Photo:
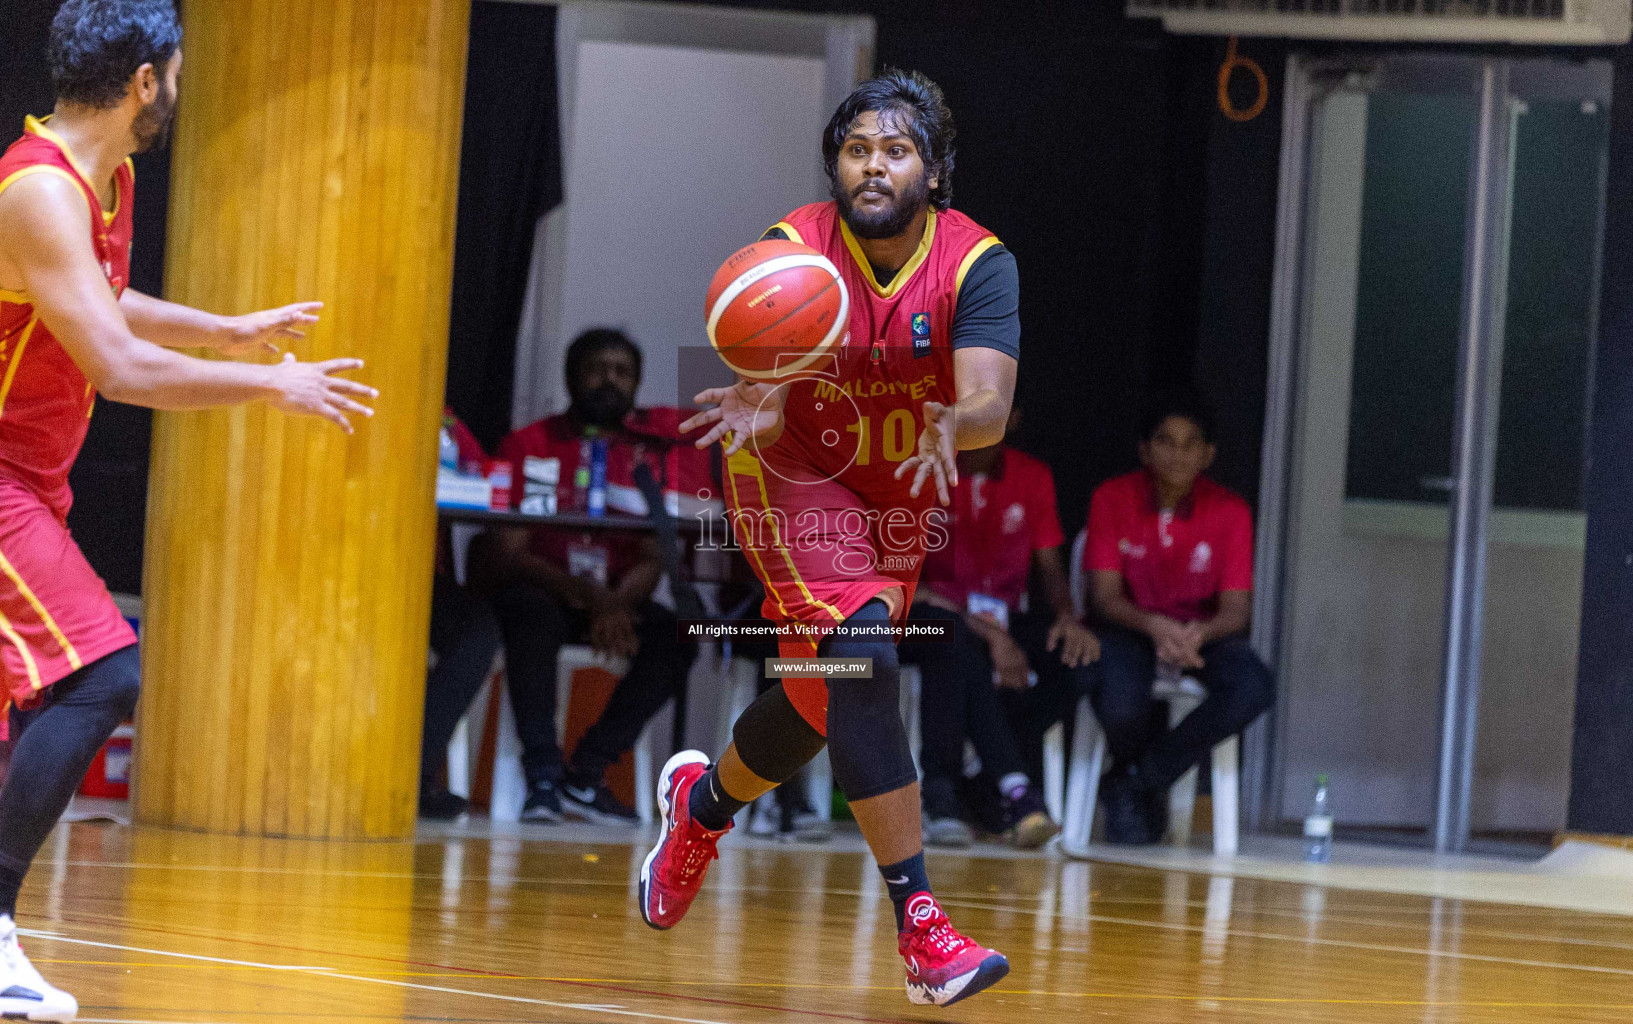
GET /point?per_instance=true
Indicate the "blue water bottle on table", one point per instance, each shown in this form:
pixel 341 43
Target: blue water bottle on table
pixel 598 475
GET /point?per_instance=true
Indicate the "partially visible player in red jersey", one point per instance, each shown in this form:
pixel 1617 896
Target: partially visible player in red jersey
pixel 69 330
pixel 832 481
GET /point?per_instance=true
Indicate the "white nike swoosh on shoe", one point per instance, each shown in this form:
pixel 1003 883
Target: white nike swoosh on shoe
pixel 660 904
pixel 897 881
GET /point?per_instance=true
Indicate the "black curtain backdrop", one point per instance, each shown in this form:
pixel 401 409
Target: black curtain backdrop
pixel 110 479
pixel 509 176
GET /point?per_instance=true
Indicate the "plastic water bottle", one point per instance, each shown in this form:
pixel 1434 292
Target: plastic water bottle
pixel 1318 825
pixel 598 476
pixel 581 472
pixel 447 451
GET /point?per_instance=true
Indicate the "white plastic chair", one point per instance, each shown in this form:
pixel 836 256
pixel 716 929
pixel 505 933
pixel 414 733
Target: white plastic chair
pixel 1089 754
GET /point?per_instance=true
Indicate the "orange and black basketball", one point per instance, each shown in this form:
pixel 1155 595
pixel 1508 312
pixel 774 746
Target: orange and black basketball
pixel 776 308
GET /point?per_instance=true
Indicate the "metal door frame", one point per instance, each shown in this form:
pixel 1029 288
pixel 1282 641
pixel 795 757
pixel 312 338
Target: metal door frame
pixel 1498 83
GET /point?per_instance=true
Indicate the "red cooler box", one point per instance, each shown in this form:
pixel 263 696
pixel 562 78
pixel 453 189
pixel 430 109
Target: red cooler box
pixel 109 775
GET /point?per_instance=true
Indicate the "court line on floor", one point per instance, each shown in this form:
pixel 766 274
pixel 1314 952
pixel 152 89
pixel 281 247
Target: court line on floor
pixel 328 972
pixel 34 933
pixel 1056 915
pixel 616 985
pixel 1372 947
pixel 1484 908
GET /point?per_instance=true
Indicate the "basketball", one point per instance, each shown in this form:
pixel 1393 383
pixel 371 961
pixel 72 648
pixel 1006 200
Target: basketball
pixel 775 308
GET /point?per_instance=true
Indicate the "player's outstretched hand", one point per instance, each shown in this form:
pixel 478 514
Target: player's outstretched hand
pixel 312 389
pixel 267 331
pixel 748 411
pixel 937 455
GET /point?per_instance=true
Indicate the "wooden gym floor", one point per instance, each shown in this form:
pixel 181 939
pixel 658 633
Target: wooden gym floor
pixel 149 926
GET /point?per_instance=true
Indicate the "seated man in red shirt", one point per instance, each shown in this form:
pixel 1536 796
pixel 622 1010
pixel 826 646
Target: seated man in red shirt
pixel 1170 564
pixel 1002 526
pixel 552 586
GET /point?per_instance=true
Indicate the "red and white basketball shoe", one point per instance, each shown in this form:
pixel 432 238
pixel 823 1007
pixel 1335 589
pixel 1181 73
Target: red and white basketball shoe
pixel 942 965
pixel 673 872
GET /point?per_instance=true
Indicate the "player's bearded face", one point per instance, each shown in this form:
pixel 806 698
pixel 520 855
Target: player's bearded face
pixel 152 124
pixel 882 183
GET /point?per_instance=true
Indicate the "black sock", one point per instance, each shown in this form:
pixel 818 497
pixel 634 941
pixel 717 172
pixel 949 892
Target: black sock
pixel 11 882
pixel 710 804
pixel 903 881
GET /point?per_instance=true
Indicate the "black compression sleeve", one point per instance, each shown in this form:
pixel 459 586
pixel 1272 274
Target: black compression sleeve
pixel 989 304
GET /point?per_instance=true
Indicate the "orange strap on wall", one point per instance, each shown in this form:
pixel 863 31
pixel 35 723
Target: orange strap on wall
pixel 1232 62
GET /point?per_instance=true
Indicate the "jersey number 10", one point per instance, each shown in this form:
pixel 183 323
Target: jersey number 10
pixel 898 437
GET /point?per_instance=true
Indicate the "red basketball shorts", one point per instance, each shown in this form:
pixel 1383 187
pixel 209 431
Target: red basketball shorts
pixel 823 550
pixel 56 614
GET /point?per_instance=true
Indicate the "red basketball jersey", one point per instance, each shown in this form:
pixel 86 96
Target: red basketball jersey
pixel 860 418
pixel 45 401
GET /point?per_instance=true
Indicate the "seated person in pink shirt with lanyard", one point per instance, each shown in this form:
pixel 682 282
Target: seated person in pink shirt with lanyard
pixel 1002 526
pixel 1170 564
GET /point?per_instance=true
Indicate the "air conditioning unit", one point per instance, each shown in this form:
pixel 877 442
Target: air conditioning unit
pixel 1534 22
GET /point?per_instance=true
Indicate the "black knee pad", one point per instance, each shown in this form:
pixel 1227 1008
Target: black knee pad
pixel 773 738
pixel 867 740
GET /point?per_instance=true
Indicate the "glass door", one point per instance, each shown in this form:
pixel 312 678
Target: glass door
pixel 1421 503
pixel 1559 117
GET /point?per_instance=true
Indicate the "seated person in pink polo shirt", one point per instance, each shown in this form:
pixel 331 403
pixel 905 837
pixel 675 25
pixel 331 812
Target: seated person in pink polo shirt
pixel 1009 671
pixel 1170 564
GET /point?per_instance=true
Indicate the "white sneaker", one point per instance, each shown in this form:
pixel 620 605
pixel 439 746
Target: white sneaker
pixel 24 995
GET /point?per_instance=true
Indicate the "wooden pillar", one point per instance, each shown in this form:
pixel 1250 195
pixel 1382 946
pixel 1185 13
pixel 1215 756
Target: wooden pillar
pixel 288 567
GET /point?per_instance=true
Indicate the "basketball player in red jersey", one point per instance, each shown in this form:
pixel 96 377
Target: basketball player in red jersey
pixel 70 329
pixel 832 481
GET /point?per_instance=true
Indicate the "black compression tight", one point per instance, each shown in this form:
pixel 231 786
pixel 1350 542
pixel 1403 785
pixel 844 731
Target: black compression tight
pixel 50 758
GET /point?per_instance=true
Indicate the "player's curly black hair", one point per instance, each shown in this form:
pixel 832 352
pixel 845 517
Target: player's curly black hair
pixel 96 45
pixel 913 104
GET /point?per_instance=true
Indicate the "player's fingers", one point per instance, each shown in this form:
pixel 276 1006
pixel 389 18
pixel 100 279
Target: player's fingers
pixel 942 491
pixel 350 406
pixel 906 464
pixel 710 396
pixel 329 366
pixel 919 477
pixel 720 430
pixel 335 416
pixel 343 386
pixel 702 419
pixel 290 332
pixel 1053 638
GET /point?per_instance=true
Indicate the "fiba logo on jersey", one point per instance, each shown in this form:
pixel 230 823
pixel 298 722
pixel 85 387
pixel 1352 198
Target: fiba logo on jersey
pixel 921 335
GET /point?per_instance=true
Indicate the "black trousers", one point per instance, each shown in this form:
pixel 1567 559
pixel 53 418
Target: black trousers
pixel 1240 688
pixel 535 626
pixel 958 702
pixel 464 638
